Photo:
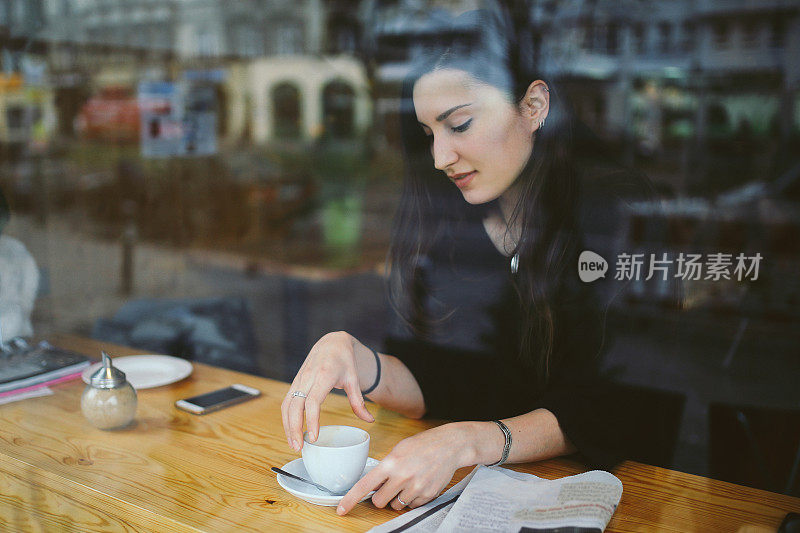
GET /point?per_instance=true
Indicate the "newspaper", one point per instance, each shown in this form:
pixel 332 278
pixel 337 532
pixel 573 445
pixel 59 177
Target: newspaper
pixel 498 499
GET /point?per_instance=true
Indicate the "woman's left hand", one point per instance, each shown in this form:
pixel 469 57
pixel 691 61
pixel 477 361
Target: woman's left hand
pixel 416 470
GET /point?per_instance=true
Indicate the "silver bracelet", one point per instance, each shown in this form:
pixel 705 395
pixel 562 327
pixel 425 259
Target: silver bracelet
pixel 507 447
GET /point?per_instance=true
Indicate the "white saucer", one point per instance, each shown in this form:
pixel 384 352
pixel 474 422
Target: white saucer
pixel 147 371
pixel 310 493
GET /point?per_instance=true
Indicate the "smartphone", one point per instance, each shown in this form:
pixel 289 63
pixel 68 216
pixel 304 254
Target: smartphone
pixel 216 400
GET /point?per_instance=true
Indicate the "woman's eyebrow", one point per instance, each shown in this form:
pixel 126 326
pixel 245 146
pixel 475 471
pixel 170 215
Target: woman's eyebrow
pixel 446 113
pixel 450 111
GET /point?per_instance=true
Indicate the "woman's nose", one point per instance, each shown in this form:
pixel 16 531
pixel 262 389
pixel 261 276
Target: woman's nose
pixel 443 153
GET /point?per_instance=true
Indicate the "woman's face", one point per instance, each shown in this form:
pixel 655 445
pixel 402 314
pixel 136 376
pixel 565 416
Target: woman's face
pixel 479 139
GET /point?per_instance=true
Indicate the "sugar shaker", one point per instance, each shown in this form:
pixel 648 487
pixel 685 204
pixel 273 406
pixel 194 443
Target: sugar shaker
pixel 109 400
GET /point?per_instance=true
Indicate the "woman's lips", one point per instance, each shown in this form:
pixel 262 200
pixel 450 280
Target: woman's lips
pixel 462 180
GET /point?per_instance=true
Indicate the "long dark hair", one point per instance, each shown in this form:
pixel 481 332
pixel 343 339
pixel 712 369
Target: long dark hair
pixel 493 48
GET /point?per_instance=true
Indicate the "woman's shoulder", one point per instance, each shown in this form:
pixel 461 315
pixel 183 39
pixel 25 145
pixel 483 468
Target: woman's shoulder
pixel 605 181
pixel 606 192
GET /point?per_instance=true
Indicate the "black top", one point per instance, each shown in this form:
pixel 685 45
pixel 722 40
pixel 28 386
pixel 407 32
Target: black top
pixel 469 368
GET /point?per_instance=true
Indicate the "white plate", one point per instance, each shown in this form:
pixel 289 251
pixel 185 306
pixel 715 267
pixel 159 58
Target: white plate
pixel 310 493
pixel 147 371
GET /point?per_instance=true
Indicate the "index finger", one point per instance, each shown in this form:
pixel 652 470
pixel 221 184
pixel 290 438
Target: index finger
pixel 364 486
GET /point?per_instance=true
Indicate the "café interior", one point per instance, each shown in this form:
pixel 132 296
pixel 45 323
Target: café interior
pixel 217 181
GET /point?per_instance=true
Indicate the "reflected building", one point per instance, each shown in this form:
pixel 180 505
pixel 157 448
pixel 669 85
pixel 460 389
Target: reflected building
pixel 651 76
pixel 707 90
pixel 397 33
pixel 739 56
pixel 282 70
pixel 27 106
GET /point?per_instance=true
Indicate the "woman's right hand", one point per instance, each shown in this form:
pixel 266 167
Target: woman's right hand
pixel 330 364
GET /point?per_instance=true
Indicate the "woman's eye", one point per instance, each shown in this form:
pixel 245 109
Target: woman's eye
pixel 462 127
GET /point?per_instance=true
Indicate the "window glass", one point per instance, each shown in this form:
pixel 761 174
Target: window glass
pixel 218 180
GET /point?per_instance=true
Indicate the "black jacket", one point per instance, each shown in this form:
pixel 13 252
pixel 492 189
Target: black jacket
pixel 470 368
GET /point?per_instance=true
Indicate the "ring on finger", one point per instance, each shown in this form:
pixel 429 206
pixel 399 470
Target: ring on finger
pixel 404 504
pixel 299 394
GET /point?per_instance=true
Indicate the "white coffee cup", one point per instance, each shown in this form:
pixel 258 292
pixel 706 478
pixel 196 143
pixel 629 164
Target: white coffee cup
pixel 337 458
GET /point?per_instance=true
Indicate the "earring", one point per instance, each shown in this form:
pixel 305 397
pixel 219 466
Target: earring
pixel 541 125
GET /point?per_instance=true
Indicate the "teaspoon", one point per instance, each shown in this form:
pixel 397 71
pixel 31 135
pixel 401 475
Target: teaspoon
pixel 293 476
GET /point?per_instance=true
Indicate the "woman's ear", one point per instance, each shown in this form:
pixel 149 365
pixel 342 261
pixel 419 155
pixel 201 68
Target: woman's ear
pixel 536 105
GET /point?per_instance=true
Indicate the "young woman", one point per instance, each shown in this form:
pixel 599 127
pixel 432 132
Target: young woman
pixel 496 331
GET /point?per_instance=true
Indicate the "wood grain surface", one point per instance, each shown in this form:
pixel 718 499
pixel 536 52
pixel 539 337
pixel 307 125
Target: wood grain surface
pixel 173 471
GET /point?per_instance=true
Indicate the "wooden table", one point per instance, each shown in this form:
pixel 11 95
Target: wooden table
pixel 172 471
